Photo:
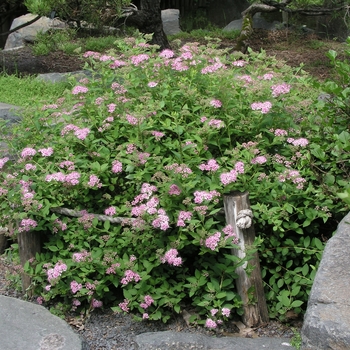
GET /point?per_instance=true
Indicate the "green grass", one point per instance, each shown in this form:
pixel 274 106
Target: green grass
pixel 27 91
pixel 198 34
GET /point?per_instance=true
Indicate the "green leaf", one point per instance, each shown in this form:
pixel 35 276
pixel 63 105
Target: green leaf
pixel 107 225
pixel 297 303
pixel 53 248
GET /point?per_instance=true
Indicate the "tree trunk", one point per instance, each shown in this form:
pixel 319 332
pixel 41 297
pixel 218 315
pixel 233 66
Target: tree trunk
pixel 29 243
pixel 149 21
pixel 249 287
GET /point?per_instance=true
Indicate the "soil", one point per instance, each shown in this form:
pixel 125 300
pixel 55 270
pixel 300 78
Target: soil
pixel 292 48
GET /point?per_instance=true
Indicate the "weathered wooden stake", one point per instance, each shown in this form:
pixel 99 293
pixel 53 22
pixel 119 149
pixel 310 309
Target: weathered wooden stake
pixel 255 312
pixel 29 244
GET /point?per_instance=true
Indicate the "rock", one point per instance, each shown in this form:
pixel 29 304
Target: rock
pixel 28 34
pixel 25 325
pixel 170 340
pixel 327 319
pixel 170 19
pixel 63 77
pixel 258 22
pixel 10 113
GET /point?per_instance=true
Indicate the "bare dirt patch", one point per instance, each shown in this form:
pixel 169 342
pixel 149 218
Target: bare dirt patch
pixel 292 48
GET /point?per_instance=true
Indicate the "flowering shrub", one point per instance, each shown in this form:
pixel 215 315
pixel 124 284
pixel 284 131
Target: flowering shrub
pixel 158 139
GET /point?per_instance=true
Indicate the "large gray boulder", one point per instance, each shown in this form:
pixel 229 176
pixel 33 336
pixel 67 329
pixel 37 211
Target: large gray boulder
pixel 28 34
pixel 327 319
pixel 171 23
pixel 170 340
pixel 259 22
pixel 28 326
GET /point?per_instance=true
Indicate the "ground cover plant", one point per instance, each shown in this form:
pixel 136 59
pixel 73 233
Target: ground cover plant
pixel 159 138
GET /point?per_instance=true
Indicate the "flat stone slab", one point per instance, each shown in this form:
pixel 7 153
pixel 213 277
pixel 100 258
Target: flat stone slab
pixel 9 112
pixel 27 326
pixel 169 340
pixel 327 319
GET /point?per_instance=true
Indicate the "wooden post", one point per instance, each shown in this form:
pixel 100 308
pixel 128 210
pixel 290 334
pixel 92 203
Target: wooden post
pixel 29 244
pixel 254 311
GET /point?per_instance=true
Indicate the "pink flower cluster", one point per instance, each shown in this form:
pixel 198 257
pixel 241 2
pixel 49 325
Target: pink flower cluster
pixel 56 271
pixel 302 142
pixel 259 160
pixel 229 232
pixel 70 179
pixel 75 286
pixel 96 303
pixel 82 256
pixel 213 67
pixel 124 305
pixel 148 301
pixel 161 221
pixel 3 161
pixel 174 190
pixel 216 123
pixel 216 103
pixel 28 152
pixel 227 178
pixel 212 241
pixel 201 196
pixel 264 107
pixel 183 216
pixel 79 90
pixel 167 53
pixel 157 135
pixel 46 152
pixel 294 176
pixel 29 167
pixel 117 167
pixel 172 258
pixel 239 63
pixel 94 181
pixel 281 89
pixel 130 276
pixel 280 132
pixel 136 60
pixel 27 225
pixel 209 323
pixel 81 134
pixel 111 269
pixel 211 165
pixel 67 164
pixel 110 211
pixel 181 169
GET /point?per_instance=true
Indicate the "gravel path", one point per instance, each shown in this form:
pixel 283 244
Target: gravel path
pixel 105 330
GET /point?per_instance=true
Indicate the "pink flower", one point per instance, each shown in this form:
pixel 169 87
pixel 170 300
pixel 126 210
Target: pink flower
pixel 212 241
pixel 46 152
pixel 200 196
pixel 29 167
pixel 75 286
pixel 280 132
pixel 40 300
pixel 171 257
pixel 216 103
pixel 263 106
pixel 3 161
pixel 211 165
pixel 214 312
pixel 136 60
pixel 216 123
pixel 152 84
pixel 117 167
pixel 81 257
pixel 79 90
pixel 281 89
pixel 183 216
pixel 27 225
pixel 28 152
pixel 162 221
pixel 240 63
pixel 268 76
pixel 82 133
pixel 111 107
pixel 226 312
pixel 174 190
pixel 145 316
pixel 167 53
pixel 298 142
pixel 130 276
pixel 96 303
pixel 209 323
pixel 157 135
pixel 259 160
pixel 94 181
pixel 110 211
pixel 124 305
